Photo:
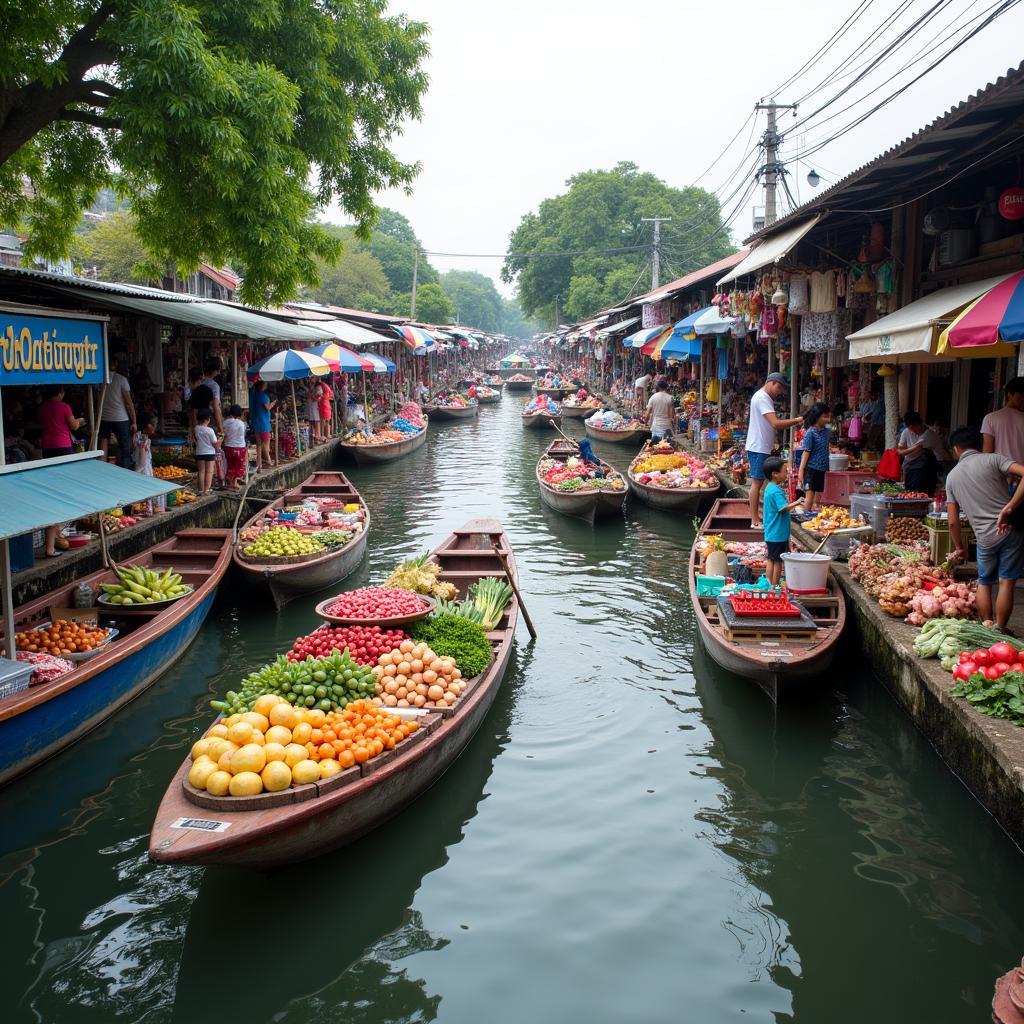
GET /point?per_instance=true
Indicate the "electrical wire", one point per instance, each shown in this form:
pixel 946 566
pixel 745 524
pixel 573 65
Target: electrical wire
pixel 752 115
pixel 533 255
pixel 1003 8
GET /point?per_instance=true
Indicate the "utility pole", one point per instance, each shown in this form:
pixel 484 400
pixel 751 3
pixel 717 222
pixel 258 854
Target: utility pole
pixel 556 312
pixel 415 272
pixel 656 248
pixel 772 168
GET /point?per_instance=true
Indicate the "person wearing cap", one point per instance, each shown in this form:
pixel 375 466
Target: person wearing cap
pixel 761 436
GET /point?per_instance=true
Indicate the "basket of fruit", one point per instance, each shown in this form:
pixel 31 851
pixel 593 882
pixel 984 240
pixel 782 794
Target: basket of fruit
pixel 379 606
pixel 75 641
pixel 146 587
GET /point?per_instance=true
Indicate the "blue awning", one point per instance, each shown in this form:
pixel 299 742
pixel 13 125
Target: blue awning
pixel 684 329
pixel 38 494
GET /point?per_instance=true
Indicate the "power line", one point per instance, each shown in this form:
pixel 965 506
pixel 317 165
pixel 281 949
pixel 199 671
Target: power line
pixel 728 146
pixel 534 255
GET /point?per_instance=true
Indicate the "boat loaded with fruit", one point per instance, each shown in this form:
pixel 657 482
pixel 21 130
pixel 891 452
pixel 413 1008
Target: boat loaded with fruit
pixel 574 486
pixel 361 716
pixel 310 537
pixel 401 436
pixel 87 662
pixel 664 477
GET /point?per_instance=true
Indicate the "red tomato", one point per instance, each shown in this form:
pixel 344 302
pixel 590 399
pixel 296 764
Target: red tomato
pixel 965 656
pixel 1017 667
pixel 991 672
pixel 983 657
pixel 1001 666
pixel 1003 651
pixel 968 668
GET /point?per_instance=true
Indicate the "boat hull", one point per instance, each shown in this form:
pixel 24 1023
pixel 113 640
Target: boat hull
pixel 366 455
pixel 589 507
pixel 556 393
pixel 673 499
pixel 541 421
pixel 614 436
pixel 437 412
pixel 518 385
pixel 42 721
pixel 577 413
pixel 489 399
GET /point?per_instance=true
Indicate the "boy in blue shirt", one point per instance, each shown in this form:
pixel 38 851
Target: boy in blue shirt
pixel 776 517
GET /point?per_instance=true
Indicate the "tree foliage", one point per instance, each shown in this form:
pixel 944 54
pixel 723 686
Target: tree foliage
pixel 433 306
pixel 226 123
pixel 602 211
pixel 477 302
pixel 356 280
pixel 112 245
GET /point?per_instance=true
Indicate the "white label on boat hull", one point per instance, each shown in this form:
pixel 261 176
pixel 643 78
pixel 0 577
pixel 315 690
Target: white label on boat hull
pixel 202 824
pixel 776 654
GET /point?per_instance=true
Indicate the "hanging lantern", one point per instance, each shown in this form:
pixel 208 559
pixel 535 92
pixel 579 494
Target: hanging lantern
pixel 886 371
pixel 779 297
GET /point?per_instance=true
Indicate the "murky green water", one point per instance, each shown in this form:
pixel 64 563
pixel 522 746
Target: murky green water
pixel 631 836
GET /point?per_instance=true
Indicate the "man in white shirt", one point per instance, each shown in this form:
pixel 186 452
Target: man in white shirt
pixel 640 391
pixel 662 412
pixel 761 436
pixel 1003 431
pixel 211 368
pixel 117 416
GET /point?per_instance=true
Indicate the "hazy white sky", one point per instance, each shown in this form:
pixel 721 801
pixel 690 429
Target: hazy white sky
pixel 523 95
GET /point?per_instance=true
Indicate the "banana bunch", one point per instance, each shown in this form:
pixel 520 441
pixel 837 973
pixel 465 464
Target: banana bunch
pixel 144 586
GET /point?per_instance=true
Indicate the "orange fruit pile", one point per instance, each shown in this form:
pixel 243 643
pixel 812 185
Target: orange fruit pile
pixel 357 733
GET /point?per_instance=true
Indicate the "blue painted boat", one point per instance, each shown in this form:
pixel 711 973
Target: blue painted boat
pixel 39 722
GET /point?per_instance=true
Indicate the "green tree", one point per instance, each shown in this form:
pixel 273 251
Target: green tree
pixel 477 302
pixel 513 323
pixel 112 245
pixel 599 218
pixel 226 123
pixel 356 280
pixel 433 306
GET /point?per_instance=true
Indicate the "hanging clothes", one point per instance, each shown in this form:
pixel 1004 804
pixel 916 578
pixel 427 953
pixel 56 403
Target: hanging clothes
pixel 823 291
pixel 799 301
pixel 821 332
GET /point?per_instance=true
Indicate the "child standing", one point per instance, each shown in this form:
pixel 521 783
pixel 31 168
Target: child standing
pixel 814 454
pixel 776 516
pixel 142 452
pixel 207 446
pixel 235 449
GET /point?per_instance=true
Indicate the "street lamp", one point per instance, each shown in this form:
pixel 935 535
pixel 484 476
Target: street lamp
pixel 813 178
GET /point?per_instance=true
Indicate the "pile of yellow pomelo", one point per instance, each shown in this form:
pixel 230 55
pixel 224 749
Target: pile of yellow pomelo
pixel 263 750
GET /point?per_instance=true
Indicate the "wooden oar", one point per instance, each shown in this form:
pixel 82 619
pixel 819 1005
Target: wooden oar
pixel 503 558
pixel 571 440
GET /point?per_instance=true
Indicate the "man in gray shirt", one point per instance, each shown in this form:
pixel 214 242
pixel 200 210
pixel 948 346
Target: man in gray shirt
pixel 977 487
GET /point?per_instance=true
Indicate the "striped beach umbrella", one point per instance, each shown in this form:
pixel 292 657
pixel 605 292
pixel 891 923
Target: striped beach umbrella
pixel 380 363
pixel 341 359
pixel 996 316
pixel 289 364
pixel 419 340
pixel 641 338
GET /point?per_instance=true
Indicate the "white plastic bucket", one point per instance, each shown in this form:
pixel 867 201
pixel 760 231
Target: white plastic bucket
pixel 806 573
pixel 838 463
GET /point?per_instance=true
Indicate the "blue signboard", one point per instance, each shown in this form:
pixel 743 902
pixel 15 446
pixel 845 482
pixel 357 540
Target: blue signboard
pixel 51 350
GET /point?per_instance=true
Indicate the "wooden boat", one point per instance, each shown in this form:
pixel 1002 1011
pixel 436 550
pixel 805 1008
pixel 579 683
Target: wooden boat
pixel 776 657
pixel 518 385
pixel 588 505
pixel 366 454
pixel 442 412
pixel 615 436
pixel 360 798
pixel 579 412
pixel 39 722
pixel 541 420
pixel 288 580
pixel 510 371
pixel 556 393
pixel 676 499
pixel 494 382
pixel 489 399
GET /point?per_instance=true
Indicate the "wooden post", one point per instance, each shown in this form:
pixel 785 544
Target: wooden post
pixel 794 377
pixel 295 411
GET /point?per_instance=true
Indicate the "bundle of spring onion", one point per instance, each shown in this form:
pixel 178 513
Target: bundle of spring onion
pixel 946 638
pixel 485 603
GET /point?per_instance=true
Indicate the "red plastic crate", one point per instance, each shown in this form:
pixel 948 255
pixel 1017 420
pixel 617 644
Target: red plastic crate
pixel 763 607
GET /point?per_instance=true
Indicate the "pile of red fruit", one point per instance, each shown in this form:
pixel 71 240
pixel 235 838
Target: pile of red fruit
pixel 999 658
pixel 372 603
pixel 365 643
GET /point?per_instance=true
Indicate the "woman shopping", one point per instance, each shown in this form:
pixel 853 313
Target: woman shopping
pixel 920 448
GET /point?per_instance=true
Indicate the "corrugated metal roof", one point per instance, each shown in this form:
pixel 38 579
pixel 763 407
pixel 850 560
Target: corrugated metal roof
pixel 1006 91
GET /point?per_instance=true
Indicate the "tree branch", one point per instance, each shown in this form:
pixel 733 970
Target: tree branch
pixel 87 117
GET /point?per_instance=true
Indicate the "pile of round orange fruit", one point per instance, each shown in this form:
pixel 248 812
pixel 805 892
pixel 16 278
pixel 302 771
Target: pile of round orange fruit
pixel 277 745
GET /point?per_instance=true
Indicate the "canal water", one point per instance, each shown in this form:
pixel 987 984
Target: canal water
pixel 631 836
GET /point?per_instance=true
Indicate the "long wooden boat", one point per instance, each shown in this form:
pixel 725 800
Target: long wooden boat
pixel 39 722
pixel 587 505
pixel 579 412
pixel 366 454
pixel 677 499
pixel 615 436
pixel 518 385
pixel 443 412
pixel 541 420
pixel 495 382
pixel 362 797
pixel 489 399
pixel 781 662
pixel 286 581
pixel 556 393
pixel 510 371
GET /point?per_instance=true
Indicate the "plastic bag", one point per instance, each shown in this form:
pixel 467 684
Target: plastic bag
pixel 889 465
pixel 856 430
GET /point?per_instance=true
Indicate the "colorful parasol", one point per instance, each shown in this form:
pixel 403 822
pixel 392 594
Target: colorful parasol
pixel 341 359
pixel 997 316
pixel 641 338
pixel 419 340
pixel 289 364
pixel 515 360
pixel 380 363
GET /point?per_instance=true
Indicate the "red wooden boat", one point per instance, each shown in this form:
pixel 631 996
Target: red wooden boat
pixel 360 798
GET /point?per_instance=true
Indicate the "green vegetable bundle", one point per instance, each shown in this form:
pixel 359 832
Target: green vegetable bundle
pixel 326 683
pixel 454 636
pixel 946 638
pixel 1000 698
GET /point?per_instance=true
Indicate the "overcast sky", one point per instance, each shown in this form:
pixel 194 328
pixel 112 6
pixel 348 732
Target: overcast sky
pixel 524 95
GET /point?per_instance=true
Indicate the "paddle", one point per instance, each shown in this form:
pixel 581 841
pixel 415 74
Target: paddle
pixel 503 558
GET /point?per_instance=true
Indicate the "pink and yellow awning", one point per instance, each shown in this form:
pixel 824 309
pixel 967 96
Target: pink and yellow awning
pixel 997 316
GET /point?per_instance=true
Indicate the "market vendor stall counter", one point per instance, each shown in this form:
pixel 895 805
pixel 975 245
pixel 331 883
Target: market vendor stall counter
pixel 840 486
